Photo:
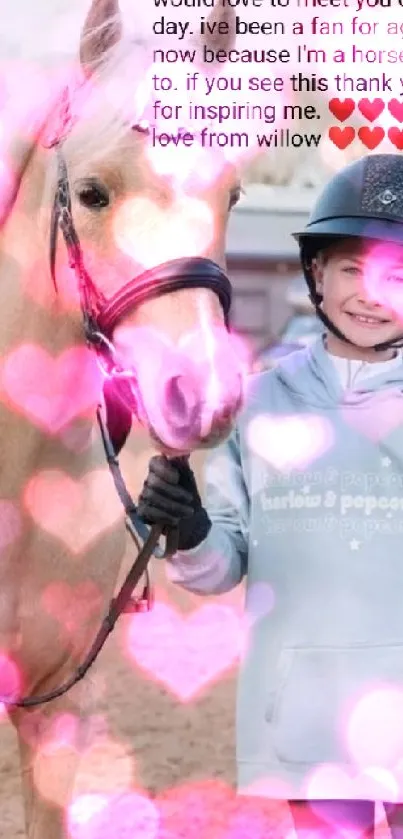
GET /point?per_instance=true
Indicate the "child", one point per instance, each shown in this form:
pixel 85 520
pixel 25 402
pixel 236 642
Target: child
pixel 305 500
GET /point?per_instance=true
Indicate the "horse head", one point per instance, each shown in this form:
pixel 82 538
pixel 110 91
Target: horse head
pixel 146 246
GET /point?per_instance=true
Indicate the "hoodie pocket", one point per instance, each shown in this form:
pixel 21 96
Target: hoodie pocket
pixel 316 690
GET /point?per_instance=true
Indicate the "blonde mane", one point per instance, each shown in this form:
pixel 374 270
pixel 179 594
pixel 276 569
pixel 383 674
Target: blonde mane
pixel 105 104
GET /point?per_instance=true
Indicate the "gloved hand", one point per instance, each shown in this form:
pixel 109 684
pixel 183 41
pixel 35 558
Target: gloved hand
pixel 170 498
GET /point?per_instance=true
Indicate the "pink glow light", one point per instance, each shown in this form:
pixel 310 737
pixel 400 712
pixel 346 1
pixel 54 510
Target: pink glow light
pixel 383 277
pixel 10 679
pixel 331 781
pixel 51 391
pixel 10 523
pixel 289 442
pixel 56 502
pixel 209 362
pixel 101 817
pixel 72 606
pixel 375 728
pixel 150 234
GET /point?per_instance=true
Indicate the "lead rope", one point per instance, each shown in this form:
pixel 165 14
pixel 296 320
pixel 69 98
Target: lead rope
pixel 134 523
pixel 123 602
pixel 116 608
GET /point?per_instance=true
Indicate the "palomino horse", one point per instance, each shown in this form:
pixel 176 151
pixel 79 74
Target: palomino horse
pixel 51 383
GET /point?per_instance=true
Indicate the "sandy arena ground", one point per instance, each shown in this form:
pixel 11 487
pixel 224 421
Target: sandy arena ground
pixel 154 740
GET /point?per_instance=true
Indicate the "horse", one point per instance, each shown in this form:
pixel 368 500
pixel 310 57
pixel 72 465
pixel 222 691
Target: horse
pixel 92 291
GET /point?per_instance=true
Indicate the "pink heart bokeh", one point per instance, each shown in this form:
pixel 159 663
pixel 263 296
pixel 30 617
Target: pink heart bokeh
pixel 97 816
pixel 143 228
pixel 377 416
pixel 208 809
pixel 185 653
pixel 36 286
pixel 10 679
pixel 51 392
pixel 72 606
pixel 332 781
pixel 211 809
pixel 103 765
pixel 77 512
pixel 201 810
pixel 10 524
pixel 289 442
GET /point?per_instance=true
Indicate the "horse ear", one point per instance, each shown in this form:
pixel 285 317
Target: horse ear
pixel 220 37
pixel 102 29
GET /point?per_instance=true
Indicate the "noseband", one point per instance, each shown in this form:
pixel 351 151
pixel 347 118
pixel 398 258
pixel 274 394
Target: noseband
pixel 101 316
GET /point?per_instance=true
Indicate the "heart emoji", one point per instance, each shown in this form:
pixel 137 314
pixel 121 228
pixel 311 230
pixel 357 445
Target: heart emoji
pixel 341 108
pixel 371 137
pixel 77 512
pixel 396 109
pixel 341 137
pixel 396 137
pixel 371 110
pixel 185 653
pixel 51 392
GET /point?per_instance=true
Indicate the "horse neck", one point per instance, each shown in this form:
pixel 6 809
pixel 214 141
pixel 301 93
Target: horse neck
pixel 46 327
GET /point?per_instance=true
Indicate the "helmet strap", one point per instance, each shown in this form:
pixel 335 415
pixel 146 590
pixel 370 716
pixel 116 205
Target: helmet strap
pixel 316 300
pixel 396 343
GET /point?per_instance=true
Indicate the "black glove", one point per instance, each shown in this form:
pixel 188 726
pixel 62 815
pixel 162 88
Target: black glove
pixel 170 498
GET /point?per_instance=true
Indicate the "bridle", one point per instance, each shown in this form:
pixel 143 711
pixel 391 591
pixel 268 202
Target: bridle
pixel 100 317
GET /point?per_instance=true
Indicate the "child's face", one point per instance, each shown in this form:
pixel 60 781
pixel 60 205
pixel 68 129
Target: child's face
pixel 361 282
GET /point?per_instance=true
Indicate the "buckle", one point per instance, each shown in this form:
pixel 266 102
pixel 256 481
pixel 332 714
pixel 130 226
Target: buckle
pixel 114 370
pixel 143 602
pixel 136 605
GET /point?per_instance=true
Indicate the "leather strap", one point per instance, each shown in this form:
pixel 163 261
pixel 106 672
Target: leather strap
pixel 164 279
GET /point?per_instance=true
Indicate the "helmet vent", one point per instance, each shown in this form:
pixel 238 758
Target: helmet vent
pixel 382 192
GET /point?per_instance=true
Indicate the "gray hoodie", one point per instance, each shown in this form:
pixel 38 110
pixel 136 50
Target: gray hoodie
pixel 306 501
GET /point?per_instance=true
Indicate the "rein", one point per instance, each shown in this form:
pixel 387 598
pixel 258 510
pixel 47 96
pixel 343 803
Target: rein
pixel 100 318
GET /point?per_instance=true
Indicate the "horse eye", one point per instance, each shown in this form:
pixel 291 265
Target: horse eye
pixel 93 196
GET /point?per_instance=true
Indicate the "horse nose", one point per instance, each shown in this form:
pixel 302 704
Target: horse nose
pixel 181 402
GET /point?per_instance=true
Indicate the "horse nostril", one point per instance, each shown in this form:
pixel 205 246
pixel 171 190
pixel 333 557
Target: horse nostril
pixel 180 401
pixel 222 418
pixel 175 399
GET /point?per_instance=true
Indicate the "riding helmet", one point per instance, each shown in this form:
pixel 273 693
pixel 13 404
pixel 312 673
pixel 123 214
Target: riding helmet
pixel 364 199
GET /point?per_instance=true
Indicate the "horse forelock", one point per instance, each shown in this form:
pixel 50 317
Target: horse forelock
pixel 105 105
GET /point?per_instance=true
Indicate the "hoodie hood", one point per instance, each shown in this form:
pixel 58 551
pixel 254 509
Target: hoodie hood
pixel 318 379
